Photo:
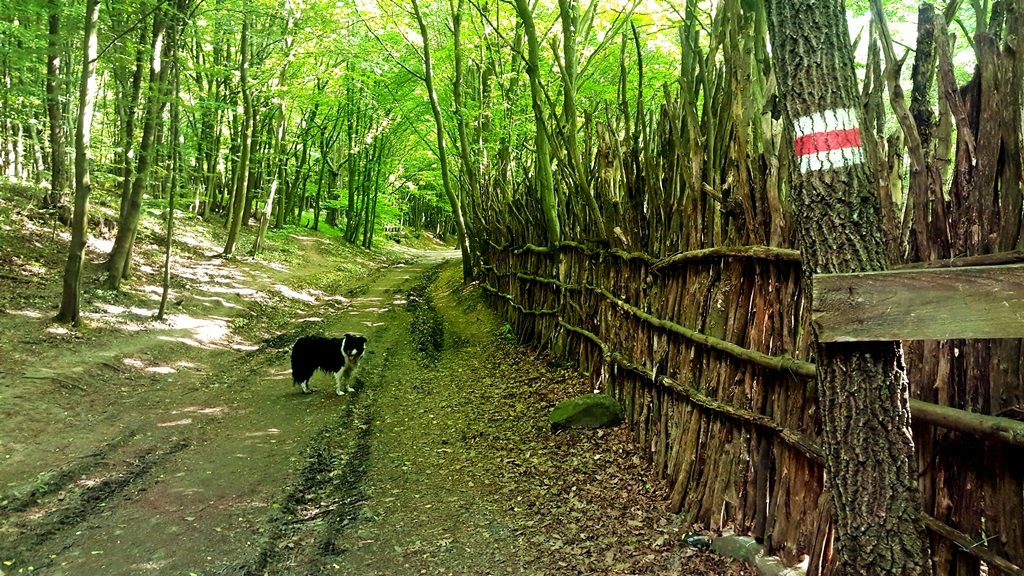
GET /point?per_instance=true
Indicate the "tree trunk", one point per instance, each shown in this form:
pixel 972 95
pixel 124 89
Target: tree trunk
pixel 242 171
pixel 435 107
pixel 70 304
pixel 570 23
pixel 470 167
pixel 175 151
pixel 542 169
pixel 54 89
pixel 120 254
pixel 862 387
pixel 277 163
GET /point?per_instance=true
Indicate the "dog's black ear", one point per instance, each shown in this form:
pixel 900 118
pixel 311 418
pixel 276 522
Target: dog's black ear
pixel 347 336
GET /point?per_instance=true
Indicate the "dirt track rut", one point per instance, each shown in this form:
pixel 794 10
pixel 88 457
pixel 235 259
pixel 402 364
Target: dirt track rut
pixel 240 474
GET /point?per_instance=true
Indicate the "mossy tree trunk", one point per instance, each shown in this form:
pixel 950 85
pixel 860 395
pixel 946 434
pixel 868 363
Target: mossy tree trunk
pixel 543 177
pixel 54 89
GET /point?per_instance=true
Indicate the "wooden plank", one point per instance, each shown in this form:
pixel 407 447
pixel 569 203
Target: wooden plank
pixel 929 304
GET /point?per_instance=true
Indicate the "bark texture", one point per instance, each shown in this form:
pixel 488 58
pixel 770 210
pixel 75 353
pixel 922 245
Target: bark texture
pixel 862 388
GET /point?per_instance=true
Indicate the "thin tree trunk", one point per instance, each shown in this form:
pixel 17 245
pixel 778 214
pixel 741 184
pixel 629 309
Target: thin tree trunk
pixel 570 23
pixel 70 305
pixel 131 109
pixel 470 168
pixel 442 155
pixel 120 254
pixel 54 89
pixel 242 170
pixel 278 158
pixel 175 151
pixel 862 387
pixel 542 168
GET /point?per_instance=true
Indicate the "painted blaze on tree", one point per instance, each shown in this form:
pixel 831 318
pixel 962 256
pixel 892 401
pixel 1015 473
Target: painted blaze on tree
pixel 862 387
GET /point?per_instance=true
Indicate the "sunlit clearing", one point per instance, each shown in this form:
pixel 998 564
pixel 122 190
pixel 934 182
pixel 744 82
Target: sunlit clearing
pixel 161 369
pixel 201 410
pixel 372 324
pixel 111 308
pixel 244 347
pixel 266 432
pixel 57 329
pixel 26 313
pixel 202 330
pixel 181 422
pixel 310 319
pixel 26 268
pixel 216 300
pixel 103 245
pixel 134 363
pixel 236 289
pixel 289 293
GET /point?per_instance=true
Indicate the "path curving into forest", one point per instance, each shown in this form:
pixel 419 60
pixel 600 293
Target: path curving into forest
pixel 181 456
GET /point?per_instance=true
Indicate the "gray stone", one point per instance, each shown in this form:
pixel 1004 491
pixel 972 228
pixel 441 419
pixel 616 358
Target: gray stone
pixel 589 411
pixel 739 547
pixel 748 550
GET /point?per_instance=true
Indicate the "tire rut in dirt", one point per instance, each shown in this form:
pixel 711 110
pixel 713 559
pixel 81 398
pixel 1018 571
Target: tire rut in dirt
pixel 55 481
pixel 33 534
pixel 323 503
pixel 427 325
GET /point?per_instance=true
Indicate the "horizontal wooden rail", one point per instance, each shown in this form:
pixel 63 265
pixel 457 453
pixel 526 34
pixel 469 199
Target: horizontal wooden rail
pixel 996 427
pixel 760 252
pixel 1010 257
pixel 802 442
pixel 972 546
pixel 781 363
pixel 920 304
pixel 517 306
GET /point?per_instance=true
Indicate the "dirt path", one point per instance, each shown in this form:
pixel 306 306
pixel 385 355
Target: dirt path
pixel 186 450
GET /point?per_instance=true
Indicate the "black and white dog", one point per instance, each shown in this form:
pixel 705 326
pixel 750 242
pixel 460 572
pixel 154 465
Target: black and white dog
pixel 338 356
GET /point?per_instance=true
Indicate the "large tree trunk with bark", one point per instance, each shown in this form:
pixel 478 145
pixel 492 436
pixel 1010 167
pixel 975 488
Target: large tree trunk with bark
pixel 862 387
pixel 70 305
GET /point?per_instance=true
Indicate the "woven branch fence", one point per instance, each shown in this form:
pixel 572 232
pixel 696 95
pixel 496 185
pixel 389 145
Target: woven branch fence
pixel 692 311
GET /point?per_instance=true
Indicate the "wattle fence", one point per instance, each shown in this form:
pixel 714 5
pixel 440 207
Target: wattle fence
pixel 691 311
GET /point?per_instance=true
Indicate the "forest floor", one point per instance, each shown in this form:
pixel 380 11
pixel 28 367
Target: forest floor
pixel 136 446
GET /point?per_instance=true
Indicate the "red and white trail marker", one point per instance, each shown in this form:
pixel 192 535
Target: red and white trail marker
pixel 828 140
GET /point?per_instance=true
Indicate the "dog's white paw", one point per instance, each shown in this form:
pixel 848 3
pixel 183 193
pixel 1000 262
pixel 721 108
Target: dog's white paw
pixel 351 389
pixel 340 393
